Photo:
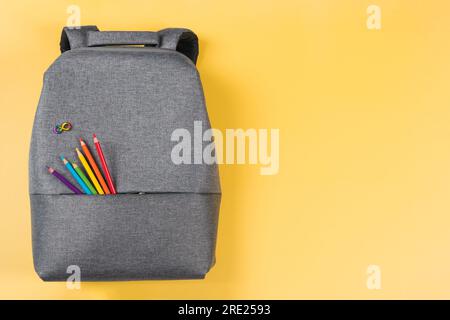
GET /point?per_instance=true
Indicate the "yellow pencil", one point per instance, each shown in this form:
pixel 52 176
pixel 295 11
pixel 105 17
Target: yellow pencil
pixel 89 172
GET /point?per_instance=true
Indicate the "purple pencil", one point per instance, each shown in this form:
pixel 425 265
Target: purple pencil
pixel 64 180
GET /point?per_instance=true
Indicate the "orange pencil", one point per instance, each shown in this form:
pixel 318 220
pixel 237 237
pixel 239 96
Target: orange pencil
pixel 94 166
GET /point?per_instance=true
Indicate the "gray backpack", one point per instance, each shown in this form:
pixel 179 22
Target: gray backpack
pixel 162 223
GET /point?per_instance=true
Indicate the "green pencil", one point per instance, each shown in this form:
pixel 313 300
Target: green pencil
pixel 84 178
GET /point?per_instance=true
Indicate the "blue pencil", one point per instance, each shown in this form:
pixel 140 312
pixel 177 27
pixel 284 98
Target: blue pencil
pixel 76 176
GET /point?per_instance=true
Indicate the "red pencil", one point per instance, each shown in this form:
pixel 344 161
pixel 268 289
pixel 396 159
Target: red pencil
pixel 104 165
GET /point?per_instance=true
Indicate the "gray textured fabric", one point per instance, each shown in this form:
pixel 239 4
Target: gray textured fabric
pixel 133 99
pixel 124 237
pixel 75 37
pixel 177 39
pixel 104 38
pixel 181 40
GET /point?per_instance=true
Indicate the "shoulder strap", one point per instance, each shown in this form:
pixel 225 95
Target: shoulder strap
pixel 182 40
pixel 74 37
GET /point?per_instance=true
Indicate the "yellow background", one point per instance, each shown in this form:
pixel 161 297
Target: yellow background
pixel 364 121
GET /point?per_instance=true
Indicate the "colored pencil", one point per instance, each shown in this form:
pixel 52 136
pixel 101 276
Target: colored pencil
pixel 75 175
pixel 84 178
pixel 104 165
pixel 89 172
pixel 66 182
pixel 94 166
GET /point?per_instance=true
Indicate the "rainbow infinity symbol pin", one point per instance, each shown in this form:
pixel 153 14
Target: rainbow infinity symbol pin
pixel 65 126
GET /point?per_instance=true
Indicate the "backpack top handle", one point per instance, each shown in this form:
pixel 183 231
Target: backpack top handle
pixel 179 39
pixel 109 38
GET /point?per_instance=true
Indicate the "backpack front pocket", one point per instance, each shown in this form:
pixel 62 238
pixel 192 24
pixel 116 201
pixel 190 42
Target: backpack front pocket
pixel 125 236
